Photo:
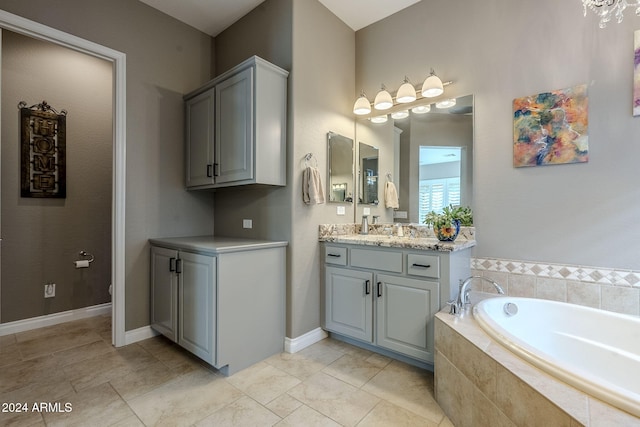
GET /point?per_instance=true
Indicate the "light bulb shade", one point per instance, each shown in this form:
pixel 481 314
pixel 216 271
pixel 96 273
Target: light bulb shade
pixel 446 103
pixel 383 100
pixel 421 109
pixel 379 119
pixel 398 115
pixel 362 106
pixel 406 93
pixel 432 86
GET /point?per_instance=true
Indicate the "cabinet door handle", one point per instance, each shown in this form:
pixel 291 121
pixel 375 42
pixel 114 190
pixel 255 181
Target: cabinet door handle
pixel 379 289
pixel 367 287
pixel 209 171
pixel 215 169
pixel 334 255
pixel 422 265
pixel 172 264
pixel 178 266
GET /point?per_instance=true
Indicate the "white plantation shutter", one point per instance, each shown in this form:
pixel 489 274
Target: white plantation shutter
pixel 435 194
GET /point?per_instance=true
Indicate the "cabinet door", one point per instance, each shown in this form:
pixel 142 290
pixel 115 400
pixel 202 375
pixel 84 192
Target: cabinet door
pixel 405 310
pixel 348 303
pixel 199 139
pixel 164 291
pixel 234 128
pixel 197 305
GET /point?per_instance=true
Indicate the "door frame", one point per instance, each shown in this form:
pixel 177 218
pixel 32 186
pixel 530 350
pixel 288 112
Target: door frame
pixel 38 31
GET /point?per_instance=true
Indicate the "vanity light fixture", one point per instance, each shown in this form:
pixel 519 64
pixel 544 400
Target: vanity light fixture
pixel 399 115
pixel 379 119
pixel 406 92
pixel 362 105
pixel 605 9
pixel 432 86
pixel 383 100
pixel 446 103
pixel 421 109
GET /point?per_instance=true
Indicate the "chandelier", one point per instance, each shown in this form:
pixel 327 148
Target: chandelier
pixel 605 9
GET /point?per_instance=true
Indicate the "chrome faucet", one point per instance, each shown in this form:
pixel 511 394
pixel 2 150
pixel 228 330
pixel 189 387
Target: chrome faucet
pixel 462 300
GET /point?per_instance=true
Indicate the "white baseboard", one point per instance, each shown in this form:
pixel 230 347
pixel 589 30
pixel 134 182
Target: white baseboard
pixel 294 345
pixel 53 319
pixel 139 334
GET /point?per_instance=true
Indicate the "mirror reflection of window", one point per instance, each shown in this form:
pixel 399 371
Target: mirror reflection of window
pixel 439 179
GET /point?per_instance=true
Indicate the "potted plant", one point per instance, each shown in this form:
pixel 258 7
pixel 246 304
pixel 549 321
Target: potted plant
pixel 446 225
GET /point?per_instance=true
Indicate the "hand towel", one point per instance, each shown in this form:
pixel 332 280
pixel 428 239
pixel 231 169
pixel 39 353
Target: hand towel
pixel 390 196
pixel 312 190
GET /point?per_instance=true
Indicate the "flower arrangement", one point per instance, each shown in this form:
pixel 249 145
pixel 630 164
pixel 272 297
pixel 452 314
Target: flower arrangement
pixel 446 225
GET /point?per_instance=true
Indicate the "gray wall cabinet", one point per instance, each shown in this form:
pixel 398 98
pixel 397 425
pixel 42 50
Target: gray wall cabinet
pixel 236 128
pixel 222 299
pixel 386 297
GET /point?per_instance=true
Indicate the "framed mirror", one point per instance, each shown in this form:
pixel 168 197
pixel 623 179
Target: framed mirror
pixel 340 168
pixel 368 174
pixel 428 157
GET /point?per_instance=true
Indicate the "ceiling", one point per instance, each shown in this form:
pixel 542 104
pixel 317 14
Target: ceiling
pixel 213 16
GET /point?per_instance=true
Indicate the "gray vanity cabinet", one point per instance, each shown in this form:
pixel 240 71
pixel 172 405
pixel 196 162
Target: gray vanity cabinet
pixel 236 128
pixel 349 306
pixel 386 297
pixel 404 315
pixel 223 299
pixel 164 292
pixel 183 296
pixel 197 305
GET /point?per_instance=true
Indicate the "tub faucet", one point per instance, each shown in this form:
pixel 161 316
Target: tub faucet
pixel 462 300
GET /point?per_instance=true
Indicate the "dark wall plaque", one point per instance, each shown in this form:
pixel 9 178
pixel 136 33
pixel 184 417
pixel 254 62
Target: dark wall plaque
pixel 43 151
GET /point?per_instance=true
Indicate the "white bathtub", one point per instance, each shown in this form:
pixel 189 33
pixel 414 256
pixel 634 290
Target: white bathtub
pixel 593 350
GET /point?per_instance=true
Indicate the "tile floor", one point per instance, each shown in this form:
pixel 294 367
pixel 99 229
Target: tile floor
pixel 73 367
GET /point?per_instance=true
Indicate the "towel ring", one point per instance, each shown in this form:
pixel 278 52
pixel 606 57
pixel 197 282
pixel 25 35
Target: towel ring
pixel 308 157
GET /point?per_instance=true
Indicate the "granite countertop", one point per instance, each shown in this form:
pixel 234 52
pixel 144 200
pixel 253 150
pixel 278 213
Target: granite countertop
pixel 415 237
pixel 214 244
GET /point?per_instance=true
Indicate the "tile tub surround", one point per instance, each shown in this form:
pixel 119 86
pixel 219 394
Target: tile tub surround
pixel 597 287
pixel 416 236
pixel 480 382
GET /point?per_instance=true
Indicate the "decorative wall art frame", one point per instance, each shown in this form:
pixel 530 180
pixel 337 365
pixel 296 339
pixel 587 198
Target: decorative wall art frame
pixel 551 128
pixel 42 151
pixel 636 73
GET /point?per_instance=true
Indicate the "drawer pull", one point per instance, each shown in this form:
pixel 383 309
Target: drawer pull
pixel 334 255
pixel 172 264
pixel 421 265
pixel 379 289
pixel 367 287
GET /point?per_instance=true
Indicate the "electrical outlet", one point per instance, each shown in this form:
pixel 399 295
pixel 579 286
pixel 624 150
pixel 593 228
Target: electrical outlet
pixel 340 210
pixel 366 211
pixel 247 223
pixel 50 290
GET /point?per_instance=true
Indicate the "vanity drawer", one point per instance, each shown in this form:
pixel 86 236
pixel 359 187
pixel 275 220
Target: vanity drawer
pixel 335 255
pixel 377 260
pixel 423 265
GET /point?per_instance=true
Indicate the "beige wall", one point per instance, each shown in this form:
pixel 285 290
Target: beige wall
pixel 165 59
pixel 580 214
pixel 318 50
pixel 41 238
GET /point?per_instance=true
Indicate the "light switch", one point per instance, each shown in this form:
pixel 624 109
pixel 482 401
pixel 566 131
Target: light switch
pixel 340 210
pixel 247 223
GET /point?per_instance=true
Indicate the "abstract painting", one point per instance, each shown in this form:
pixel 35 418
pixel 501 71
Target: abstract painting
pixel 551 128
pixel 636 73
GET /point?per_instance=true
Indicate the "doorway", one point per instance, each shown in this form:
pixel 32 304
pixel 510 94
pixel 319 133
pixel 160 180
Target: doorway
pixel 37 31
